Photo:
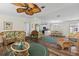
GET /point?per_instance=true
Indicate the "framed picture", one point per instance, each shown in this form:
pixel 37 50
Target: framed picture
pixel 8 25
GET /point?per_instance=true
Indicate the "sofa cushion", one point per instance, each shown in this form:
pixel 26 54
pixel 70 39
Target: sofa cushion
pixel 9 35
pixel 13 36
pixel 20 35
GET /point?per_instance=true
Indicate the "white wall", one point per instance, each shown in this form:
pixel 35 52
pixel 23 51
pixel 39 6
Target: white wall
pixel 55 27
pixel 18 23
pixel 65 26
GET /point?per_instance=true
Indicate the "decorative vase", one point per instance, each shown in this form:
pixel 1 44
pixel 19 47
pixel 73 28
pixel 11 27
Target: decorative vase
pixel 20 45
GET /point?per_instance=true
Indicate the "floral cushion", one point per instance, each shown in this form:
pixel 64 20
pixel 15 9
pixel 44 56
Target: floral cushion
pixel 12 36
pixel 20 35
pixel 9 34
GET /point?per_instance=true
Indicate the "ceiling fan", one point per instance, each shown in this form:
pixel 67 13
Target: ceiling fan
pixel 28 8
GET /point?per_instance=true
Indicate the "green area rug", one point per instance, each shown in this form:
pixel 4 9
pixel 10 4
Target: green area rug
pixel 49 39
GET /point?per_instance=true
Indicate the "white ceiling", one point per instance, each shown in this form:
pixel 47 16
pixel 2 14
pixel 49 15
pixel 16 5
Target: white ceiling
pixel 64 11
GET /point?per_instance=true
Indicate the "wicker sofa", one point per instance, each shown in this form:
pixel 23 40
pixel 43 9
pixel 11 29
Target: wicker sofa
pixel 13 36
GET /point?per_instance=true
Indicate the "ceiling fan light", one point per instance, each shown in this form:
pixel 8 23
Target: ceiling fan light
pixel 28 8
pixel 20 10
pixel 31 5
pixel 36 10
pixel 20 4
pixel 29 12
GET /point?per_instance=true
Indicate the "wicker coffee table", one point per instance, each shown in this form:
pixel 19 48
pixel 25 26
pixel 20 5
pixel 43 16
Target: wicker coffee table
pixel 23 52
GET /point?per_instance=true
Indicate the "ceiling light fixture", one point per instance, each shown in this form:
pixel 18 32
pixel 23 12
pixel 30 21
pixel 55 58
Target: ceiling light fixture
pixel 28 8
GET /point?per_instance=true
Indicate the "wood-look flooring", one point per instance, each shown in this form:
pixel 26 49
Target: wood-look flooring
pixel 58 52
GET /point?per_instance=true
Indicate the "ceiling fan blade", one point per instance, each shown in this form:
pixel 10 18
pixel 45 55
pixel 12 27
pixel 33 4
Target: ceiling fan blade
pixel 20 4
pixel 34 8
pixel 30 5
pixel 20 10
pixel 28 8
pixel 29 12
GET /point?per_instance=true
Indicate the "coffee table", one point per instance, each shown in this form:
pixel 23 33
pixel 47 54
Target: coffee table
pixel 23 52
